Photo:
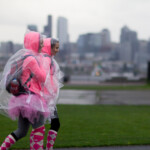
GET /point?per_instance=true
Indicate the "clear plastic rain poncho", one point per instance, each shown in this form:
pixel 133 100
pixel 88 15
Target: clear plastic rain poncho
pixel 26 88
pixel 55 78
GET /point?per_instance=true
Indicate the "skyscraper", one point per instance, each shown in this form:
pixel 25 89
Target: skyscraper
pixel 127 35
pixel 129 44
pixel 48 27
pixel 90 42
pixel 105 36
pixel 62 31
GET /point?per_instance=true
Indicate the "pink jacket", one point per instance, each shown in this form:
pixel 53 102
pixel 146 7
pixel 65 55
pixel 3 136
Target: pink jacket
pixel 47 50
pixel 31 65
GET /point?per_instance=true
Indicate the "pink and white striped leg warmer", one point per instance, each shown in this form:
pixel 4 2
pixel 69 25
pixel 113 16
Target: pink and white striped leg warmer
pixel 51 137
pixel 31 140
pixel 36 138
pixel 9 141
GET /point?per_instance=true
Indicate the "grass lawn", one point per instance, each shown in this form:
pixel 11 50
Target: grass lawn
pixel 94 125
pixel 107 87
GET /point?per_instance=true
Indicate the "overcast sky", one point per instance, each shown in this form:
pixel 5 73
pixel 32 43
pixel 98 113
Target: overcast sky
pixel 83 16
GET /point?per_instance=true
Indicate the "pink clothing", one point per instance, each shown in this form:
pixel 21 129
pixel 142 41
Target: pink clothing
pixel 29 106
pixel 47 46
pixel 36 138
pixel 32 41
pixel 9 141
pixel 47 50
pixel 51 137
pixel 31 66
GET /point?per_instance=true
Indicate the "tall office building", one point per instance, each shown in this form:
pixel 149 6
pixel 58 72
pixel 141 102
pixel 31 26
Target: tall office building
pixel 48 27
pixel 127 35
pixel 105 36
pixel 128 39
pixel 90 42
pixel 62 31
pixel 32 27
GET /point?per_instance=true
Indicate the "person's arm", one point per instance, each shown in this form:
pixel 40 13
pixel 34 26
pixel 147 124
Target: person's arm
pixel 35 68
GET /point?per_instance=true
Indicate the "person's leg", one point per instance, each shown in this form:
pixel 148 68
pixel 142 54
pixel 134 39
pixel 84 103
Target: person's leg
pixel 37 134
pixel 23 127
pixel 55 124
pixel 8 142
pixel 52 134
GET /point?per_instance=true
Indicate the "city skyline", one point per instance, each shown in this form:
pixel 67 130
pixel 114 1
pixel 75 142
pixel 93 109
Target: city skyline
pixel 83 17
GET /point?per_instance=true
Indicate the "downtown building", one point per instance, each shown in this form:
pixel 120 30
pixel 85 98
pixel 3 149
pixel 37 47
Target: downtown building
pixel 129 45
pixel 48 28
pixel 105 38
pixel 89 43
pixel 95 43
pixel 62 31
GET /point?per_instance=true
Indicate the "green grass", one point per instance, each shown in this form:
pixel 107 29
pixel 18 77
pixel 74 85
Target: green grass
pixel 107 87
pixel 93 125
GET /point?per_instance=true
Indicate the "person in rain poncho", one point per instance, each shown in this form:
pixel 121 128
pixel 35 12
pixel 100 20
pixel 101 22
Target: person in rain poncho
pixel 29 106
pixel 50 49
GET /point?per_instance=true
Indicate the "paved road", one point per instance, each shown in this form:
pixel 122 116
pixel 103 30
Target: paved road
pixel 116 97
pixel 126 97
pixel 109 148
pixel 105 148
